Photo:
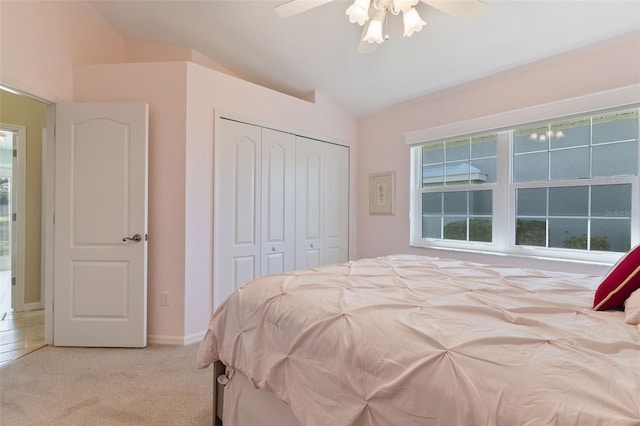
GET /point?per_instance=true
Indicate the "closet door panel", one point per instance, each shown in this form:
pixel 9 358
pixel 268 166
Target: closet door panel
pixel 245 192
pixel 309 202
pixel 238 167
pixel 336 203
pixel 278 202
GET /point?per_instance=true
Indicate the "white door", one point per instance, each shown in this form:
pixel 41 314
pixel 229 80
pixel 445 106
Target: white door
pixel 336 204
pixel 100 278
pixel 238 161
pixel 278 201
pixel 322 203
pixel 309 202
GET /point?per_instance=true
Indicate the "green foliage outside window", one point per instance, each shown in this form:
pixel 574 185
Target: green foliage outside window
pixel 479 230
pixel 531 232
pixel 580 242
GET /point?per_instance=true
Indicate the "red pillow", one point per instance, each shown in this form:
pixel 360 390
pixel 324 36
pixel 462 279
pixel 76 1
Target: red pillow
pixel 619 283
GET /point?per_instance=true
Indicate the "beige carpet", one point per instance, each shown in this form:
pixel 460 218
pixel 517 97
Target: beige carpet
pixel 158 385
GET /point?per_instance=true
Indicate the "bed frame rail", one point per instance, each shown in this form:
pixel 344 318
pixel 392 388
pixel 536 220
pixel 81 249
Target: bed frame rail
pixel 218 393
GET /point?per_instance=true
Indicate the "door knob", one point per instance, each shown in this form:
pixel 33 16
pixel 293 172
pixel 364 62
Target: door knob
pixel 137 238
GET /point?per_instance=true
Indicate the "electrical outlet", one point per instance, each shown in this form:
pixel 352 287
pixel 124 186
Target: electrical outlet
pixel 164 298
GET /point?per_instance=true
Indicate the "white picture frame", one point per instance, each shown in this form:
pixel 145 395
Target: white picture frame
pixel 382 193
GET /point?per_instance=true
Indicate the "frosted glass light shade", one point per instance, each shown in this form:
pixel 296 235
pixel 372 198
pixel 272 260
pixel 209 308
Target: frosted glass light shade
pixel 412 22
pixel 374 32
pixel 359 12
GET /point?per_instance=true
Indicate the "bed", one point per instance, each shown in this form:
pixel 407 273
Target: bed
pixel 413 340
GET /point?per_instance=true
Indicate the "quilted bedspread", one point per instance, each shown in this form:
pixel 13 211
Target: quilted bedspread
pixel 411 340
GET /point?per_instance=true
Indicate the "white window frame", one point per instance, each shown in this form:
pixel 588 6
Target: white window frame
pixel 504 190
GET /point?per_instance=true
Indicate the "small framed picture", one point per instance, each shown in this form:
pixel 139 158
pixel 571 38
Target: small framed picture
pixel 382 193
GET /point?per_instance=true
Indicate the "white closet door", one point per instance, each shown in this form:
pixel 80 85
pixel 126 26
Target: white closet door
pixel 309 197
pixel 278 202
pixel 238 171
pixel 336 204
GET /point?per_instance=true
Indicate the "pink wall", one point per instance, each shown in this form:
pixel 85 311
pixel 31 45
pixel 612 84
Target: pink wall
pixel 42 41
pixel 381 137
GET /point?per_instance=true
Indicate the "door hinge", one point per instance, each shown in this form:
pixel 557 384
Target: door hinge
pixel 13 280
pixel 15 153
pixel 14 217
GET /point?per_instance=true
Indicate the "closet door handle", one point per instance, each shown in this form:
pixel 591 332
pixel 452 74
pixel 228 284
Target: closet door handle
pixel 137 238
pixel 273 248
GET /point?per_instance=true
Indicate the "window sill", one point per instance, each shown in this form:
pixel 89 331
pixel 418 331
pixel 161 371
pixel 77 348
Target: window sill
pixel 549 263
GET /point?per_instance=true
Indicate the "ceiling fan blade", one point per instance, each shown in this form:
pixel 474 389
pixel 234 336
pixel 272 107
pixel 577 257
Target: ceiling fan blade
pixel 294 7
pixel 464 9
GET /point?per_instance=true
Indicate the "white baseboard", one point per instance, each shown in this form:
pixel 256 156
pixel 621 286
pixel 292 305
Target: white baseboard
pixel 165 340
pixel 194 338
pixel 175 340
pixel 29 307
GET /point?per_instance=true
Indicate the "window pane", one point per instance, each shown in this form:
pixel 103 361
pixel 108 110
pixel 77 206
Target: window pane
pixel 457 150
pixel 531 202
pixel 569 201
pixel 615 127
pixel 433 153
pixel 611 235
pixel 615 159
pixel 531 232
pixel 445 215
pixel 484 146
pixel 455 203
pixel 480 203
pixel 433 175
pixel 531 167
pixel 611 201
pixel 431 227
pixel 570 133
pixel 480 230
pixel 455 228
pixel 457 173
pixel 483 171
pixel 530 140
pixel 570 164
pixel 568 233
pixel 432 203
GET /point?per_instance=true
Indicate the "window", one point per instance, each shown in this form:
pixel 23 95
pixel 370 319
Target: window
pixel 564 189
pixel 453 205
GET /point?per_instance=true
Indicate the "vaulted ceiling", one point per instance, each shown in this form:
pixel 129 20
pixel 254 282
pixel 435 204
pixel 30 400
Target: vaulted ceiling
pixel 317 50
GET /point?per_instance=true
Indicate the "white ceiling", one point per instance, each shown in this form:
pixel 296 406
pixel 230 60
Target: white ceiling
pixel 316 50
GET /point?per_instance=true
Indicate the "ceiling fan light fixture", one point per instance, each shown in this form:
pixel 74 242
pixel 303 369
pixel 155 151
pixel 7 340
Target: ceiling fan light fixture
pixel 359 12
pixel 412 21
pixel 374 32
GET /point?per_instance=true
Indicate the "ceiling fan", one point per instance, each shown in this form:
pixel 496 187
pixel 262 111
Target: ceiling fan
pixel 372 15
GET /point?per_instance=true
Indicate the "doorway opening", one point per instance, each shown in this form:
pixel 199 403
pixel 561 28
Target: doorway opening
pixel 23 121
pixel 8 143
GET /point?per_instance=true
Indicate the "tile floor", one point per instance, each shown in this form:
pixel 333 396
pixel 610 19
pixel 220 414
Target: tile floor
pixel 20 332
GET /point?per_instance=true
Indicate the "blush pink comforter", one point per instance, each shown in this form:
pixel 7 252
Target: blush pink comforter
pixel 410 340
